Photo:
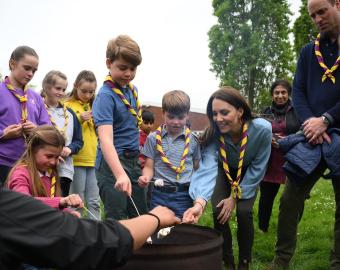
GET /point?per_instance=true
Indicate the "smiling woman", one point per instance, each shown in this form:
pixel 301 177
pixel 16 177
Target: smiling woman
pixel 234 158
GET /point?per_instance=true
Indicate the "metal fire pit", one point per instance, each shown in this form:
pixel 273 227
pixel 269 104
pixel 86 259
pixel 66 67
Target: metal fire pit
pixel 186 247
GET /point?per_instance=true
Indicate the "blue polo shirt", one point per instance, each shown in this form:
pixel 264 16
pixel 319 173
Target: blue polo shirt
pixel 311 96
pixel 108 109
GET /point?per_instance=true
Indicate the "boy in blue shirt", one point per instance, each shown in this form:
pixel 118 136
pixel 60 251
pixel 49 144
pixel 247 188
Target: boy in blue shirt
pixel 117 116
pixel 172 153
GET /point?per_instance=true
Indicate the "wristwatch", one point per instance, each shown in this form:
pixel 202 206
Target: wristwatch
pixel 325 120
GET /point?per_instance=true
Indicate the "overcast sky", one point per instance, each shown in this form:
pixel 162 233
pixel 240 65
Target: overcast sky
pixel 71 35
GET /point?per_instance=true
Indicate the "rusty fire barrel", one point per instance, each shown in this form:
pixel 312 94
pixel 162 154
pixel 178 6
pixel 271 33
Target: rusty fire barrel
pixel 186 247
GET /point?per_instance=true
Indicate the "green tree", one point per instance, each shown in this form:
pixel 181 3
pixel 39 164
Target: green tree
pixel 304 30
pixel 249 45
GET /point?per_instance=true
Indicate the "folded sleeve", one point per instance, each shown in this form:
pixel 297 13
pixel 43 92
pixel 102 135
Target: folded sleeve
pixel 204 178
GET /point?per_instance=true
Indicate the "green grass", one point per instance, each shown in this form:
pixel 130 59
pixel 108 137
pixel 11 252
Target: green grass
pixel 315 233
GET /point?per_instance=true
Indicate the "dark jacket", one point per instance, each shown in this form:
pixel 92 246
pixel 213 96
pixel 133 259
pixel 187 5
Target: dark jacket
pixel 37 234
pixel 292 122
pixel 77 138
pixel 302 157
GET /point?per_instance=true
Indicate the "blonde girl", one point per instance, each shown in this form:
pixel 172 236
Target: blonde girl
pixel 64 119
pixel 84 181
pixel 36 174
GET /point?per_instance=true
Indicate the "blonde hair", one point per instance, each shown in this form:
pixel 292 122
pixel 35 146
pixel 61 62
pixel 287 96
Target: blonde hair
pixel 124 47
pixel 83 76
pixel 40 137
pixel 50 80
pixel 176 102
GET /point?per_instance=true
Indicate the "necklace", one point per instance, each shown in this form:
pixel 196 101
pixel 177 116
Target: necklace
pixel 138 114
pixel 328 72
pixel 178 170
pixel 22 98
pixel 62 130
pixel 235 184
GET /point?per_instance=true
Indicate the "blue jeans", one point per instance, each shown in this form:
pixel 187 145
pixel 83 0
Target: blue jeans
pixel 178 201
pixel 85 184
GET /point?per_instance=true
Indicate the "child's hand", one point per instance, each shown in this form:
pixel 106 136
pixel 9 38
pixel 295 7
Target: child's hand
pixel 85 116
pixel 75 213
pixel 28 126
pixel 12 131
pixel 72 200
pixel 143 181
pixel 123 184
pixel 66 152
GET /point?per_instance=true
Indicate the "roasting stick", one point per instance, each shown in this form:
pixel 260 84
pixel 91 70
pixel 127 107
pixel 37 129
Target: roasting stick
pixel 90 213
pixel 149 240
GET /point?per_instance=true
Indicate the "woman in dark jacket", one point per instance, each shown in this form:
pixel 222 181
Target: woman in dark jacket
pixel 284 122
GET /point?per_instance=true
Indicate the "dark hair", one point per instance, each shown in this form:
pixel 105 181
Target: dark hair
pixel 176 102
pixel 20 52
pixel 148 117
pixel 234 98
pixel 284 83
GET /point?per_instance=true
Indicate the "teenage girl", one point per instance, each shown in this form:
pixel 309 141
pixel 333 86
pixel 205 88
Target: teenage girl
pixel 64 119
pixel 21 109
pixel 84 180
pixel 36 173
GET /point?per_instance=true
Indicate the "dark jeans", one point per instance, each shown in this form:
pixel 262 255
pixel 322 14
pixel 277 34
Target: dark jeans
pixel 4 171
pixel 291 207
pixel 116 204
pixel 245 225
pixel 65 186
pixel 267 196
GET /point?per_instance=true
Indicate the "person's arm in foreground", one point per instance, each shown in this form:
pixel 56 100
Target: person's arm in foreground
pixel 37 234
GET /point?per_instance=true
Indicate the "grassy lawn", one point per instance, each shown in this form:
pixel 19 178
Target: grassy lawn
pixel 315 234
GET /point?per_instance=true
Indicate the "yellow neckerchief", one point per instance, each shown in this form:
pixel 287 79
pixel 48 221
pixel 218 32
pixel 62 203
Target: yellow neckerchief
pixel 235 184
pixel 22 99
pixel 328 72
pixel 53 178
pixel 86 107
pixel 159 148
pixel 62 130
pixel 138 114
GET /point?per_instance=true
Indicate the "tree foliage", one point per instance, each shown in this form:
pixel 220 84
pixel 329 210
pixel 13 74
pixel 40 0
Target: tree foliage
pixel 304 29
pixel 249 45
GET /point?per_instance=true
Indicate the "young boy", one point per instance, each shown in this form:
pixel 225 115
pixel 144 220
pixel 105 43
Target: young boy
pixel 117 116
pixel 172 153
pixel 145 129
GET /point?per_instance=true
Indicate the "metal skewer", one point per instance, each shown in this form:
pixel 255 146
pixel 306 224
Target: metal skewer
pixel 90 213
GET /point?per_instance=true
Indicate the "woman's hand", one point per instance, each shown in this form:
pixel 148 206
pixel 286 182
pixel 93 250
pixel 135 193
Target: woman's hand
pixel 72 200
pixel 227 207
pixel 193 214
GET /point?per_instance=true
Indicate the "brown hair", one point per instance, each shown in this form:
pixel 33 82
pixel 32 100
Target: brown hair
pixel 40 137
pixel 124 47
pixel 176 102
pixel 20 52
pixel 50 80
pixel 83 76
pixel 234 98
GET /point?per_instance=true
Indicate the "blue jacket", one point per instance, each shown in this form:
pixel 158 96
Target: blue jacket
pixel 302 157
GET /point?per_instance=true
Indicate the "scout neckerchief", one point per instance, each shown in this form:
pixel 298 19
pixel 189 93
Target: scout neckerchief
pixel 328 72
pixel 235 184
pixel 22 99
pixel 138 114
pixel 86 107
pixel 53 182
pixel 178 170
pixel 62 130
